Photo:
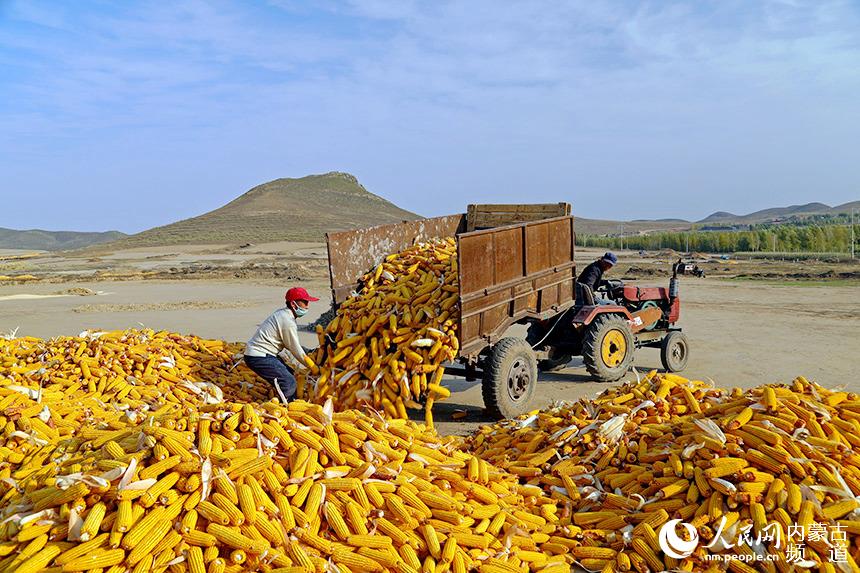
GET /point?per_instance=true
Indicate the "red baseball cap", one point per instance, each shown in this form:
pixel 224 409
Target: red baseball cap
pixel 298 293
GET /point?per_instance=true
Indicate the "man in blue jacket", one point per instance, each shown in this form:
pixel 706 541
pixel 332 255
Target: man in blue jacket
pixel 592 275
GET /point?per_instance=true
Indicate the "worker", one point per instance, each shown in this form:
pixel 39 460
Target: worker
pixel 592 275
pixel 279 333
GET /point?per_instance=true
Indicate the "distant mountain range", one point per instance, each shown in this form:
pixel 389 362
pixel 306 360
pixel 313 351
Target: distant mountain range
pixel 40 240
pixel 305 208
pixel 766 215
pixel 717 219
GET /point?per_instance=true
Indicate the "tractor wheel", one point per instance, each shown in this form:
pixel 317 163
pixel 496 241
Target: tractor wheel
pixel 674 351
pixel 607 348
pixel 510 377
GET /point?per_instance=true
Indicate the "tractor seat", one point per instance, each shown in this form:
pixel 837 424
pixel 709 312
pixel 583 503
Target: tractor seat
pixel 584 295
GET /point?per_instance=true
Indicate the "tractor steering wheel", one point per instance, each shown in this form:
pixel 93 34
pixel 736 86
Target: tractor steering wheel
pixel 610 286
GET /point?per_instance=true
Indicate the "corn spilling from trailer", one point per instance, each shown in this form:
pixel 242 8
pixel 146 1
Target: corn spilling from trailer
pixel 388 342
pixel 768 461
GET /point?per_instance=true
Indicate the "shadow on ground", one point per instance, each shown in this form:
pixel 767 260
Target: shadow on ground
pixel 568 384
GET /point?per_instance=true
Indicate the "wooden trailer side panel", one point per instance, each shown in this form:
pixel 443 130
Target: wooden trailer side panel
pixel 511 273
pixel 353 253
pixel 487 216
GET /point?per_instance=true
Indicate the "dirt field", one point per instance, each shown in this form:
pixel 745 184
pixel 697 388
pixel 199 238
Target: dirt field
pixel 289 261
pixel 741 332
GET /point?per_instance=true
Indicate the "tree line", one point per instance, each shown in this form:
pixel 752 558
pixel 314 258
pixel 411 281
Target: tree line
pixel 783 238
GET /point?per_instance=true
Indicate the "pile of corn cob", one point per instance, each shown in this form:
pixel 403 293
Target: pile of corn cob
pixel 134 368
pixel 234 487
pixel 386 346
pixel 109 464
pixel 667 448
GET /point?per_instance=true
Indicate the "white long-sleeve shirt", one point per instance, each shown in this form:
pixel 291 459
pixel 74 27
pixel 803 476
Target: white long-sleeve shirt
pixel 276 333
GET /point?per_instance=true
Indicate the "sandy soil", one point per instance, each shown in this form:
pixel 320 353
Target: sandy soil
pixel 741 333
pixel 216 309
pixel 212 262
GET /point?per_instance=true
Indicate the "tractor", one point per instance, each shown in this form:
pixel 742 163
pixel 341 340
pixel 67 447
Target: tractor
pixel 606 332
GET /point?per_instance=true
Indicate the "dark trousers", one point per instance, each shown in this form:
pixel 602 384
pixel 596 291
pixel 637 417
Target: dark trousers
pixel 272 369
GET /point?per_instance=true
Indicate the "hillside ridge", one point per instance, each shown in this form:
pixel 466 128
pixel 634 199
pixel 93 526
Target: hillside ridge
pixel 284 209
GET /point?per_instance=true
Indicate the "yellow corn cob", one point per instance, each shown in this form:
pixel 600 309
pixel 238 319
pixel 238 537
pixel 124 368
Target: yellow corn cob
pixel 233 513
pixel 39 562
pixel 94 518
pixel 148 543
pixel 96 560
pixel 725 466
pixel 140 529
pixel 315 498
pixel 587 552
pixel 840 509
pixel 232 538
pixel 373 541
pixel 200 539
pixel 355 561
pixel 213 513
pixel 247 503
pixel 238 557
pixel 194 557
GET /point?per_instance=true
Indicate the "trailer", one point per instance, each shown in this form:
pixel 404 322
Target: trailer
pixel 516 266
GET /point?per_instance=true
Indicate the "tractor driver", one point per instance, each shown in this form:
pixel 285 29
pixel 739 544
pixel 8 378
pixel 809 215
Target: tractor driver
pixel 592 275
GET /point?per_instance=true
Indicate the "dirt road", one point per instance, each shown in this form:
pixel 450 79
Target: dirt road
pixel 741 333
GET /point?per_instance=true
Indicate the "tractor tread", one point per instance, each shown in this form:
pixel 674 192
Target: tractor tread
pixel 494 387
pixel 591 348
pixel 669 363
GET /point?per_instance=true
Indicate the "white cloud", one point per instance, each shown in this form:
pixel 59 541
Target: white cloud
pixel 474 99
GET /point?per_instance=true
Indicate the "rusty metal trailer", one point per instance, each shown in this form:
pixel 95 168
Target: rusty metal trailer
pixel 515 265
pixel 514 262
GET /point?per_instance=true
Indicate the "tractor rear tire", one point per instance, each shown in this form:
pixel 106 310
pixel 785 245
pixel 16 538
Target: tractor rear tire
pixel 510 377
pixel 674 351
pixel 607 348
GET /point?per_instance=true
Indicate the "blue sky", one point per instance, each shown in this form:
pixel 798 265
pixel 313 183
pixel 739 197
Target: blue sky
pixel 129 115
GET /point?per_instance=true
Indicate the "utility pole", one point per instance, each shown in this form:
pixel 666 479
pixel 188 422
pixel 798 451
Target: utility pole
pixel 852 233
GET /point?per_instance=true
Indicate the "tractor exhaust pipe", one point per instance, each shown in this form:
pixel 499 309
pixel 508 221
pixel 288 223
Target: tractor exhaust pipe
pixel 674 285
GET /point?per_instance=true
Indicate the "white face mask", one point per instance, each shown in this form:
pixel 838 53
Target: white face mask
pixel 300 311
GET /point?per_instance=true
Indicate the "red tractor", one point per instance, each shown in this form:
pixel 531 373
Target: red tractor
pixel 606 332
